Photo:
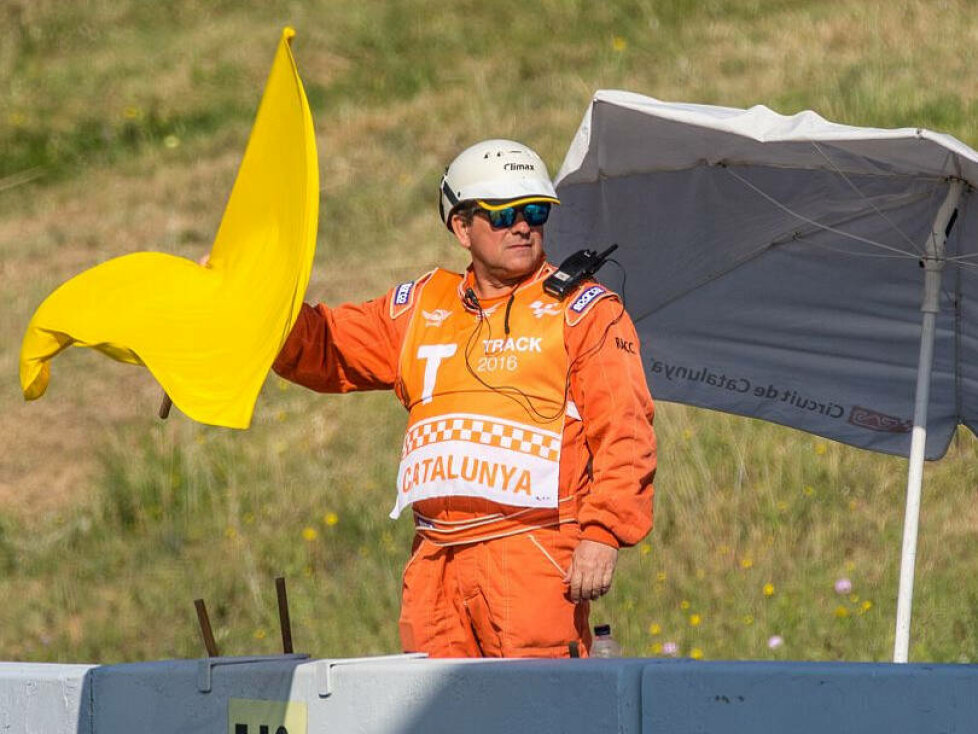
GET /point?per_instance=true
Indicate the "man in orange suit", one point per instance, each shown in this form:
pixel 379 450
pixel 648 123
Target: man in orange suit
pixel 529 453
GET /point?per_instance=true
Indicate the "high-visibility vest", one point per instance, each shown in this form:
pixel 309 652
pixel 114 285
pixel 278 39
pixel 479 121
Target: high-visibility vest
pixel 486 403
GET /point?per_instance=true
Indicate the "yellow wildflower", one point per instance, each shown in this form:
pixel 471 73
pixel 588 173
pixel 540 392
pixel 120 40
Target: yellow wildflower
pixel 260 634
pixel 768 589
pixel 660 577
pixel 841 612
pixel 655 629
pixel 619 44
pixel 309 534
pixel 696 653
pixel 331 518
pixel 646 548
pixel 866 605
pixel 694 620
pixel 230 533
pixel 746 563
pixel 748 619
pixel 809 491
pixel 821 447
pixel 684 604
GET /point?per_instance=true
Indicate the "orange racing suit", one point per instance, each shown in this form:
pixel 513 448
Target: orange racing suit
pixel 529 428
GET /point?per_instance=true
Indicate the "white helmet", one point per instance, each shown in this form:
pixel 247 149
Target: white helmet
pixel 495 169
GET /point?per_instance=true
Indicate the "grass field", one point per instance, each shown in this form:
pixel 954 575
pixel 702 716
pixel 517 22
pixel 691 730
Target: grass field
pixel 121 126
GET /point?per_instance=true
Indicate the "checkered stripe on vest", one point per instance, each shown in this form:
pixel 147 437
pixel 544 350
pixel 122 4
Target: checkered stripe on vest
pixel 483 431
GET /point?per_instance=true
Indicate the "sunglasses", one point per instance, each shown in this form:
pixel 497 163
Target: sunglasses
pixel 534 214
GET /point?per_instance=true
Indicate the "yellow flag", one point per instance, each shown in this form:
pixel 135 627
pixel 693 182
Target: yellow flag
pixel 208 334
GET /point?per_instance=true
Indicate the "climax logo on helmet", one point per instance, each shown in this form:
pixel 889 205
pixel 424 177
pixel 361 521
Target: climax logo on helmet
pixel 519 167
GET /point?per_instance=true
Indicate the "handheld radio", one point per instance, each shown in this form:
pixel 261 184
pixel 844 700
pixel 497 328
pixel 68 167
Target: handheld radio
pixel 579 266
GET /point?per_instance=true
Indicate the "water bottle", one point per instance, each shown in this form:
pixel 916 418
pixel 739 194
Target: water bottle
pixel 604 645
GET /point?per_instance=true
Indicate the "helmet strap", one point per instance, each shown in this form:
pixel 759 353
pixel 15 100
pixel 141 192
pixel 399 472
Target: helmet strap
pixel 450 195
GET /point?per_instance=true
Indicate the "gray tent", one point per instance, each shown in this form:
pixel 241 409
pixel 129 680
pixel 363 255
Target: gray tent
pixel 790 269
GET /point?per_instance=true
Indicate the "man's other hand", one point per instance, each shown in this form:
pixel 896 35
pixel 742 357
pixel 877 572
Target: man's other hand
pixel 591 570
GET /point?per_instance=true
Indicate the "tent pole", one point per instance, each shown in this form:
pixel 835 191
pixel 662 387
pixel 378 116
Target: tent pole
pixel 933 265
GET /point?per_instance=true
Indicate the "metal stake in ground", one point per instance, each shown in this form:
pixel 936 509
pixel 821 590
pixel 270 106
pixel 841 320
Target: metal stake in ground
pixel 205 629
pixel 165 406
pixel 283 615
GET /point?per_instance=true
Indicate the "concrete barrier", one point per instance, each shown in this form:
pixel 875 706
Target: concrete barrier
pixel 393 694
pixel 805 698
pixel 36 697
pixel 383 695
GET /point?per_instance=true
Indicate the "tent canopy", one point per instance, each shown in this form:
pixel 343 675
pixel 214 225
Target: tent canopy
pixel 774 264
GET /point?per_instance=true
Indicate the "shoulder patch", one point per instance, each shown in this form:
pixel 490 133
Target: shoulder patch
pixel 403 296
pixel 584 301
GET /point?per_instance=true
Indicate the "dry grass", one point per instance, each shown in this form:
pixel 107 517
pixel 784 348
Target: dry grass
pixel 151 515
pixel 60 232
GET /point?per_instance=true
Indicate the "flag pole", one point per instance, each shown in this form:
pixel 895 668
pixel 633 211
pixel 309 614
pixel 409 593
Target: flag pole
pixel 933 262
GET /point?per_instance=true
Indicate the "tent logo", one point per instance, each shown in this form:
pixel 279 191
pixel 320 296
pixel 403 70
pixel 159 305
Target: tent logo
pixel 870 419
pixel 519 167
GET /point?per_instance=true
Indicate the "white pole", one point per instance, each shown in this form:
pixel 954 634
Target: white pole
pixel 933 264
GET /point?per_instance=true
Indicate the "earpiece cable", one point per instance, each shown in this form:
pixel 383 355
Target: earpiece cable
pixel 514 393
